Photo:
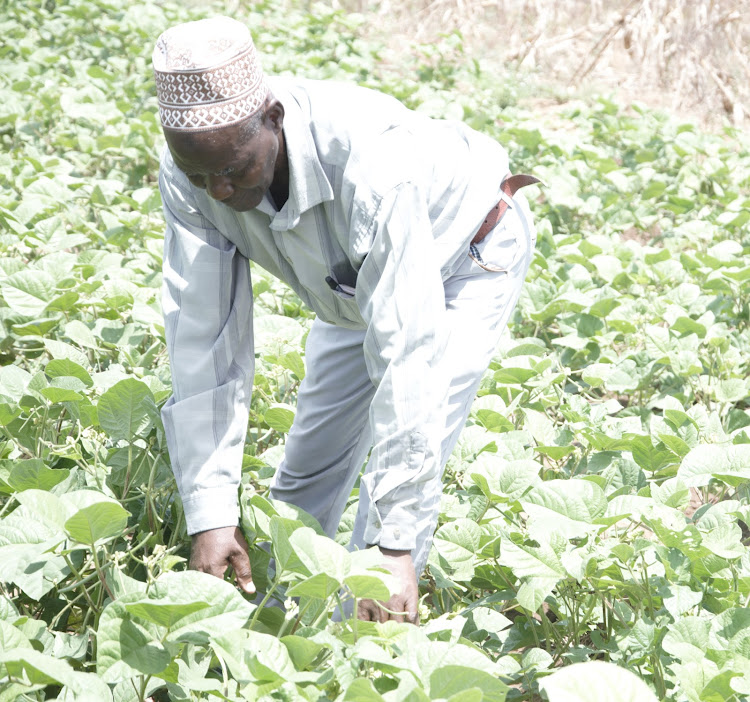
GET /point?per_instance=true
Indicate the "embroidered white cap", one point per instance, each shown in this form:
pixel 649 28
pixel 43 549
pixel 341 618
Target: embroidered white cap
pixel 208 75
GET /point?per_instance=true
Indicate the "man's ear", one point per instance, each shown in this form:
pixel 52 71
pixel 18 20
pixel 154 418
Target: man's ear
pixel 274 115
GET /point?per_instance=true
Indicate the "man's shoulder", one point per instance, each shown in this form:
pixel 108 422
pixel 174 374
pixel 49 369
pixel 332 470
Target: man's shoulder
pixel 326 96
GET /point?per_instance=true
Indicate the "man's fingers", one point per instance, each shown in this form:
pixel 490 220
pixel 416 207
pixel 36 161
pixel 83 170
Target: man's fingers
pixel 368 611
pixel 241 565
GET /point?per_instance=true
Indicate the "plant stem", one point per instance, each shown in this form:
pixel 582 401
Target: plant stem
pixel 264 601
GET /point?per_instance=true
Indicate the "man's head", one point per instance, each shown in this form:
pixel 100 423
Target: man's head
pixel 222 126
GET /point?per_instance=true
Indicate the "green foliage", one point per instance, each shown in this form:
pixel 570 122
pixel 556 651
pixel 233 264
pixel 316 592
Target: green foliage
pixel 596 507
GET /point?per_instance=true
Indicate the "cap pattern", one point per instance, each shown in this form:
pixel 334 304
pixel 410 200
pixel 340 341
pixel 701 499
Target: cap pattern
pixel 205 80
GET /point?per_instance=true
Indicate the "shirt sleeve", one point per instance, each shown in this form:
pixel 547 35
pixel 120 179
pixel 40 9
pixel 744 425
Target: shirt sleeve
pixel 207 305
pixel 401 297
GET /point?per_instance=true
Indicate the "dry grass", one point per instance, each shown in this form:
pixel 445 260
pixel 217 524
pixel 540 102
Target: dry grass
pixel 690 56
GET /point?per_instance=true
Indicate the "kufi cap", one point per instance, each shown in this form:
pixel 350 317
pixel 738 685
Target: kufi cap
pixel 207 75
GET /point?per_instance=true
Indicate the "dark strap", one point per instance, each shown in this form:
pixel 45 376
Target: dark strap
pixel 510 186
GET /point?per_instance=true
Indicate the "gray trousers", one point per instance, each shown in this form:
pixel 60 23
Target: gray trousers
pixel 331 437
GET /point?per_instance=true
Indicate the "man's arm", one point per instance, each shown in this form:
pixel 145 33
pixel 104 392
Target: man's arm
pixel 400 293
pixel 207 304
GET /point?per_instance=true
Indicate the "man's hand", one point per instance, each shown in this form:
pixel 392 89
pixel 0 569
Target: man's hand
pixel 404 603
pixel 214 550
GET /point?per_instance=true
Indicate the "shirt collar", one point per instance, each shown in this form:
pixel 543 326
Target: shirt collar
pixel 308 184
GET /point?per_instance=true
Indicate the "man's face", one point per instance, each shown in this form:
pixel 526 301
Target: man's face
pixel 234 168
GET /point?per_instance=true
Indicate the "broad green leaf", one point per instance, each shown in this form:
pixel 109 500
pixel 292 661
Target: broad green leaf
pixel 730 633
pixel 98 521
pixel 127 646
pixel 450 680
pixel 531 561
pixel 64 389
pixel 226 609
pixel 570 507
pixel 649 457
pixel 13 381
pixel 679 599
pixel 725 541
pixel 293 361
pixel 47 507
pixel 687 639
pixel 164 614
pixel 28 292
pixel 502 480
pixel 302 651
pixel 361 690
pixel 280 417
pixel 41 669
pixel 255 657
pixel 12 638
pixel 534 591
pixel 280 530
pixel 596 680
pixel 126 410
pixel 458 543
pixel 64 367
pixel 34 474
pixel 367 587
pixel 319 586
pixel 319 554
pixel 727 462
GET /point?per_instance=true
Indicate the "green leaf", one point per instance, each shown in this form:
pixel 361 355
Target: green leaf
pixel 164 614
pixel 34 474
pixel 227 609
pixel 502 480
pixel 458 543
pixel 368 587
pixel 293 362
pixel 687 639
pixel 449 680
pixel 319 554
pixel 127 647
pixel 649 457
pixel 725 541
pixel 126 410
pixel 302 651
pixel 280 417
pixel 361 690
pixel 595 680
pixel 569 507
pixel 255 657
pixel 64 389
pixel 28 292
pixel 62 367
pixel 98 521
pixel 40 669
pixel 727 462
pixel 12 638
pixel 319 586
pixel 286 556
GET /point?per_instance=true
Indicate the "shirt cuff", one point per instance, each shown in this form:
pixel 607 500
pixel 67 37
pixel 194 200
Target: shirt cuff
pixel 391 526
pixel 211 509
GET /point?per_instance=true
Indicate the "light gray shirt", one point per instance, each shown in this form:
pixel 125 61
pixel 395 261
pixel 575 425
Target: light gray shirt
pixel 383 200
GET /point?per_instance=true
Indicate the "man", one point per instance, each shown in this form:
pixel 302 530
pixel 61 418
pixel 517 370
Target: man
pixel 375 216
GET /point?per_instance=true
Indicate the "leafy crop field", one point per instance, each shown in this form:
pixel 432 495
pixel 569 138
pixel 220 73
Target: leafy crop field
pixel 593 534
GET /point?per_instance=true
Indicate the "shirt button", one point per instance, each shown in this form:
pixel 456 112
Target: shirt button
pixel 397 533
pixel 378 525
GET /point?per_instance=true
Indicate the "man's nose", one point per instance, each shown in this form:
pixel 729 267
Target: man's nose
pixel 219 187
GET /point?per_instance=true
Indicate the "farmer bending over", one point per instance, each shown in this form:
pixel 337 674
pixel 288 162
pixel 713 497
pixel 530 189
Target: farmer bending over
pixel 402 233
